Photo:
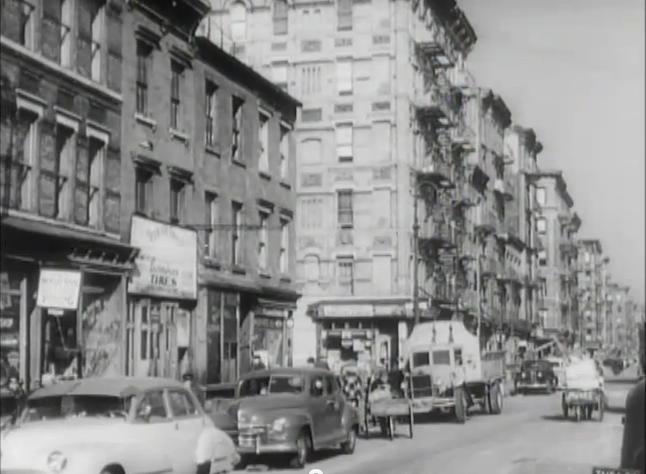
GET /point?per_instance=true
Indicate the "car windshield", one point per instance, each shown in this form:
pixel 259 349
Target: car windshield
pixel 420 359
pixel 56 407
pixel 271 384
pixel 441 358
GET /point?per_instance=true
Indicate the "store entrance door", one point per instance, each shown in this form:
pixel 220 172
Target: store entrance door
pixel 154 345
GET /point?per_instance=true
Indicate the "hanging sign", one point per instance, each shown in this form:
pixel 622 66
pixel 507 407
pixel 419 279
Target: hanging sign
pixel 59 288
pixel 167 261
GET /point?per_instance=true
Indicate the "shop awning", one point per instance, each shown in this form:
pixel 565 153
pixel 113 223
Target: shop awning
pixel 274 304
pixel 55 230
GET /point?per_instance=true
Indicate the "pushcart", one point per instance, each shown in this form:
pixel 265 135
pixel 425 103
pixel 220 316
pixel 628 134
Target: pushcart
pixel 583 391
pixel 388 403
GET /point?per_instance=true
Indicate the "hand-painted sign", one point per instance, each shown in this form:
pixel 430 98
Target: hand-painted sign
pixel 59 288
pixel 167 261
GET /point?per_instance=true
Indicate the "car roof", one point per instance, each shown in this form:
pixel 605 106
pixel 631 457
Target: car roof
pixel 107 386
pixel 304 371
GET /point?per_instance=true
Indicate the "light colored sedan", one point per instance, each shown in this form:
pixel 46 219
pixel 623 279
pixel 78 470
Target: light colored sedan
pixel 121 425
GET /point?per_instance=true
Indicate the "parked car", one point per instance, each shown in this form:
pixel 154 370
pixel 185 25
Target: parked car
pixel 221 405
pixel 535 375
pixel 116 426
pixel 294 411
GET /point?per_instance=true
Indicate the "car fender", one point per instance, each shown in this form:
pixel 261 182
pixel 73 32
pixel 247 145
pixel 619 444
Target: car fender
pixel 133 459
pixel 350 417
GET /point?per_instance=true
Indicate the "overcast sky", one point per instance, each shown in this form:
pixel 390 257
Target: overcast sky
pixel 573 70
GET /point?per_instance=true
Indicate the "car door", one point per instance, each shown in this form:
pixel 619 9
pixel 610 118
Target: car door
pixel 153 424
pixel 188 424
pixel 335 405
pixel 318 408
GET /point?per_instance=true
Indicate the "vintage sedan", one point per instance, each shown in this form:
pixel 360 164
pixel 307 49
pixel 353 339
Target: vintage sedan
pixel 121 425
pixel 293 411
pixel 536 375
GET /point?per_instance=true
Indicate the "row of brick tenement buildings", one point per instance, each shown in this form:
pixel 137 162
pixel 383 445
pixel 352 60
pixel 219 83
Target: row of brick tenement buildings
pixel 148 196
pixel 392 122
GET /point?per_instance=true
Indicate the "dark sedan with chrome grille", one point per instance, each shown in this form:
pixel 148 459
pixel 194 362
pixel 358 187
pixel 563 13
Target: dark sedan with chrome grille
pixel 536 375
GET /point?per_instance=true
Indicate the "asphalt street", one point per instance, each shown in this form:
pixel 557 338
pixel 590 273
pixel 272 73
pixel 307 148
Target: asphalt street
pixel 529 437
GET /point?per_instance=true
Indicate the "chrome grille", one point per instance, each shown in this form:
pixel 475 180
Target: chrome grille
pixel 422 386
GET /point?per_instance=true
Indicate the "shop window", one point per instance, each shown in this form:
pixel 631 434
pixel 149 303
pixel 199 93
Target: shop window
pixel 60 348
pixel 10 327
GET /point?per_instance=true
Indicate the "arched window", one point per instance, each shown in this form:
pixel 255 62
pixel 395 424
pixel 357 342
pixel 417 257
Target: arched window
pixel 238 13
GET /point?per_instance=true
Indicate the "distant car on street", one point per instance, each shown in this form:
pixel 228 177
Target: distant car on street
pixel 536 375
pixel 293 410
pixel 116 425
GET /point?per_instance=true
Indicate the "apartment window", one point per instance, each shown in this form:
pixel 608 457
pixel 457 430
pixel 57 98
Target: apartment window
pixel 211 221
pixel 65 159
pixel 263 217
pixel 177 191
pixel 263 142
pixel 345 267
pixel 540 196
pixel 236 222
pixel 27 22
pixel 344 76
pixel 280 17
pixel 210 109
pixel 311 79
pixel 175 99
pixel 541 225
pixel 144 54
pixel 238 22
pixel 279 74
pixel 284 246
pixel 96 33
pixel 542 258
pixel 284 152
pixel 66 32
pixel 143 190
pixel 236 127
pixel 28 143
pixel 344 15
pixel 345 214
pixel 95 181
pixel 344 142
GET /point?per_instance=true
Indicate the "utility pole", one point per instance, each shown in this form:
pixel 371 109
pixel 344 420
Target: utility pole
pixel 415 257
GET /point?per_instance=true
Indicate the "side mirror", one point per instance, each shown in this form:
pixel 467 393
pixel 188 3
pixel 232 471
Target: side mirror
pixel 144 411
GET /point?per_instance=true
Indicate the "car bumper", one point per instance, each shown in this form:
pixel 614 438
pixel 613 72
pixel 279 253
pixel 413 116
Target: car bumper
pixel 532 386
pixel 266 447
pixel 426 405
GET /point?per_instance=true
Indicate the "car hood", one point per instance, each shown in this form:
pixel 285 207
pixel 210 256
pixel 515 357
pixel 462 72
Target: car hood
pixel 268 406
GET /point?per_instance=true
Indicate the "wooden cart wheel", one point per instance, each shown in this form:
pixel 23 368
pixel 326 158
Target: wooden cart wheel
pixel 391 427
pixel 411 421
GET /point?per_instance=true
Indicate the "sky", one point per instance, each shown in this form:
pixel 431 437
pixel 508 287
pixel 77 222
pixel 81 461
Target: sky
pixel 573 70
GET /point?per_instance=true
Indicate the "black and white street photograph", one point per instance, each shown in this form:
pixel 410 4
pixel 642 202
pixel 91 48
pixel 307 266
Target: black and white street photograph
pixel 322 236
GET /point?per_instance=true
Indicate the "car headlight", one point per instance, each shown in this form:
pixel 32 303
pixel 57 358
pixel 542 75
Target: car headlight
pixel 56 462
pixel 279 424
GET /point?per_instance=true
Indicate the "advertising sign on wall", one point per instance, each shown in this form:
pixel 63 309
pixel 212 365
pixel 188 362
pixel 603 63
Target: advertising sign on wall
pixel 59 288
pixel 166 265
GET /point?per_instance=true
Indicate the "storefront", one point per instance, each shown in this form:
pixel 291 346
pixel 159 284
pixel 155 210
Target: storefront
pixel 366 333
pixel 62 301
pixel 162 295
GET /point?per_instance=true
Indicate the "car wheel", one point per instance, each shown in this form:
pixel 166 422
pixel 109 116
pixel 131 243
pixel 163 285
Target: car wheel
pixel 303 449
pixel 348 446
pixel 112 470
pixel 495 399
